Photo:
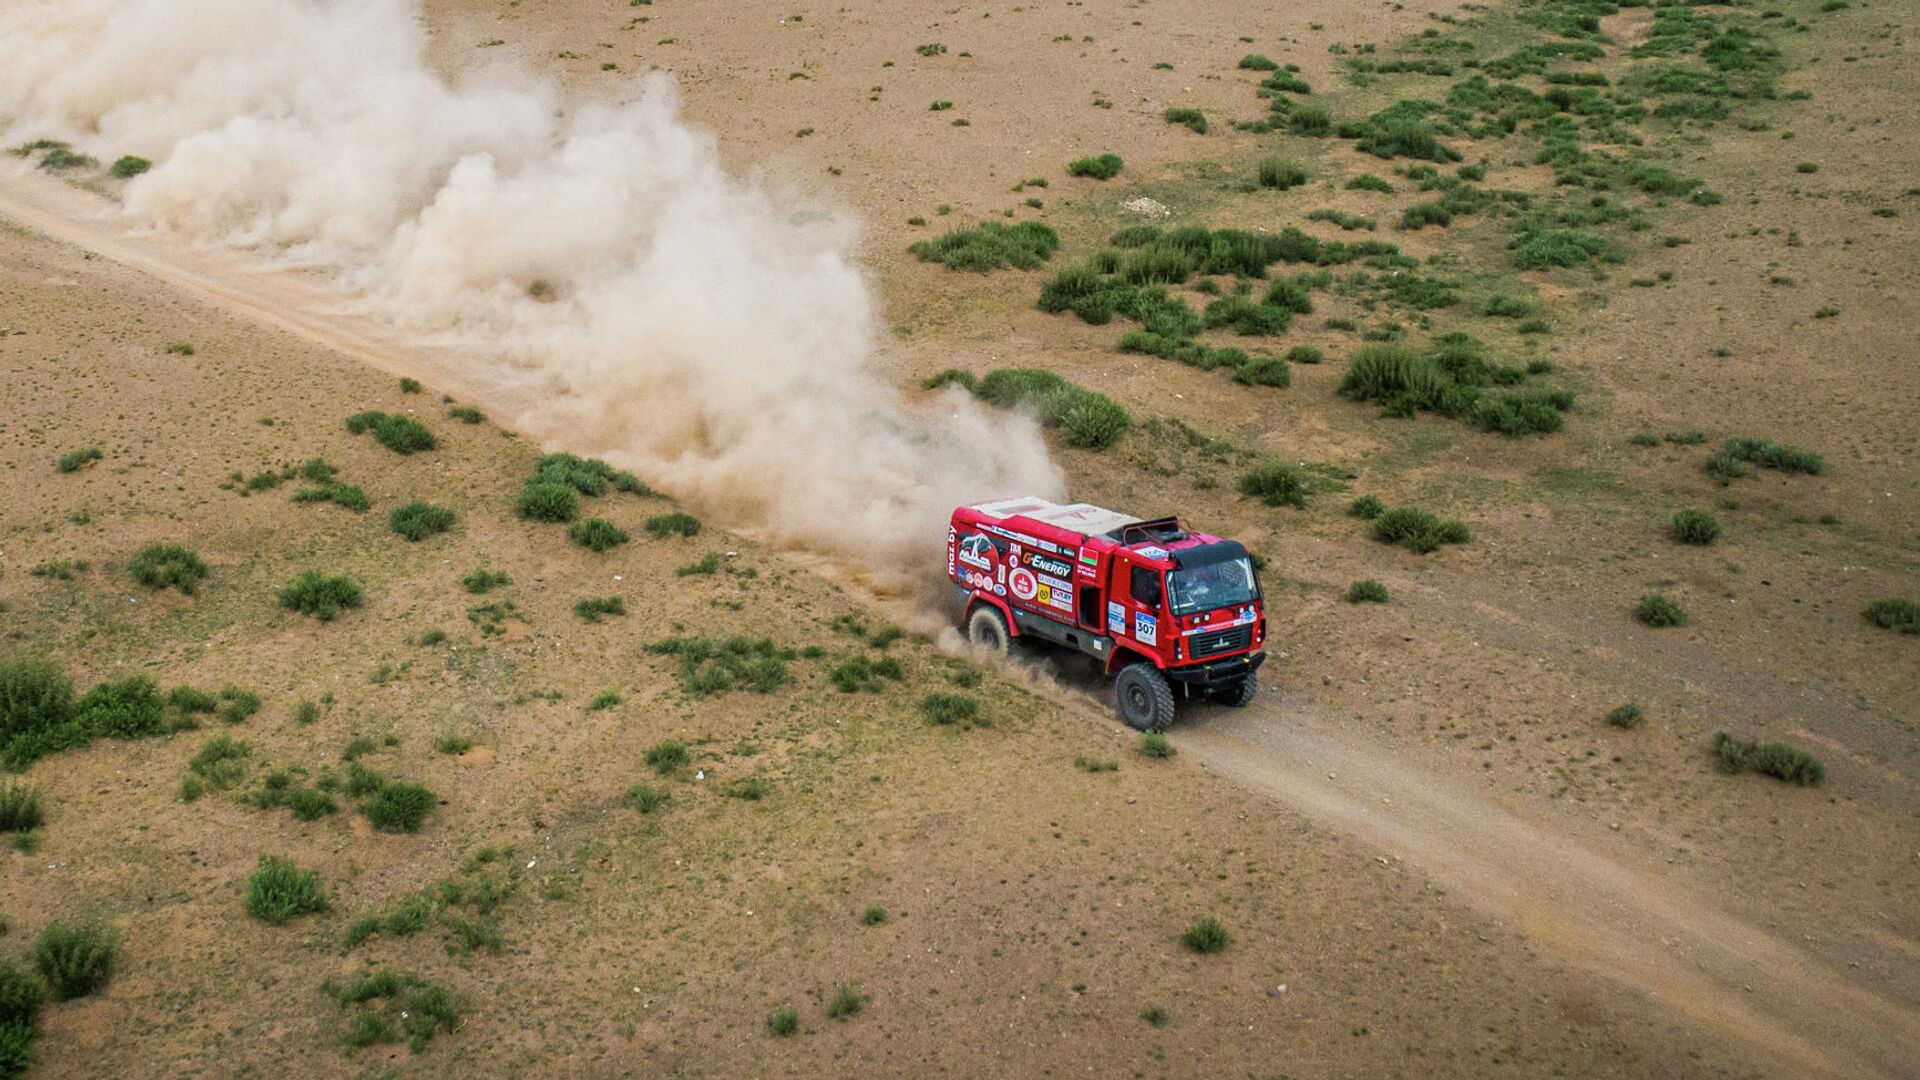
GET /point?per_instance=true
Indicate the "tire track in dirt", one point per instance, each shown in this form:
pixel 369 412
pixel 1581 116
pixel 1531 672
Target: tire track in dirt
pixel 1622 921
pixel 1573 902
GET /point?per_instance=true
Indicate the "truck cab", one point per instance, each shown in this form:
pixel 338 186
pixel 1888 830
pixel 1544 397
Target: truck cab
pixel 1167 611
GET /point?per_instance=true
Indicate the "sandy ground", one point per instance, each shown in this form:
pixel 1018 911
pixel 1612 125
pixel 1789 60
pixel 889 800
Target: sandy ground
pixel 1423 830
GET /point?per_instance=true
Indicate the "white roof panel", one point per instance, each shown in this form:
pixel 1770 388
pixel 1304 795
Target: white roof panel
pixel 1082 518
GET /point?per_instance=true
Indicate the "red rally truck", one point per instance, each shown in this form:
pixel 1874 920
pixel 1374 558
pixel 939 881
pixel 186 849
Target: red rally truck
pixel 1159 606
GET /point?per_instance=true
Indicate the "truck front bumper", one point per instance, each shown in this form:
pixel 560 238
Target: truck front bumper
pixel 1218 672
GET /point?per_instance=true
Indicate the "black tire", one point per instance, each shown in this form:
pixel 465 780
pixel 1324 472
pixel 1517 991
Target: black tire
pixel 1239 693
pixel 1142 698
pixel 987 629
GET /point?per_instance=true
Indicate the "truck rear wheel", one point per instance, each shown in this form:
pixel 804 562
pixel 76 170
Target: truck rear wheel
pixel 1239 693
pixel 1143 698
pixel 987 629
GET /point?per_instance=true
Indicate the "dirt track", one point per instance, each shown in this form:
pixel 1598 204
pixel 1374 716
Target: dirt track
pixel 1572 900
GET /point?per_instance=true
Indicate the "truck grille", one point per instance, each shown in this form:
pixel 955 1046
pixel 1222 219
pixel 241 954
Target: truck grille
pixel 1215 642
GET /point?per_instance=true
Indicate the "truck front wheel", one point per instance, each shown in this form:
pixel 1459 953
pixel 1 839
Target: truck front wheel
pixel 1238 693
pixel 987 629
pixel 1143 698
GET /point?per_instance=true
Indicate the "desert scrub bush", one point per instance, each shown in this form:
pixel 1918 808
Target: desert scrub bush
pixel 1194 119
pixel 1733 457
pixel 1275 483
pixel 1089 419
pixel 1390 135
pixel 547 501
pixel 1367 591
pixel 1256 62
pixel 345 495
pixel 1280 174
pixel 398 807
pixel 747 789
pixel 397 432
pixel 667 756
pixel 846 1002
pixel 1788 763
pixel 1895 614
pixel 644 799
pixel 1627 716
pixel 783 1022
pixel 1349 222
pixel 163 566
pixel 1421 215
pixel 418 520
pixel 1369 182
pixel 1502 306
pixel 1313 121
pixel 1366 507
pixel 1206 935
pixel 467 414
pixel 1452 378
pixel 219 764
pixel 715 666
pixel 1545 248
pixel 1417 530
pixel 951 377
pixel 873 915
pixel 596 534
pixel 1103 167
pixel 661 526
pixel 604 700
pixel 1154 1015
pixel 320 596
pixel 862 674
pixel 75 460
pixel 1154 744
pixel 385 1007
pixel 990 246
pixel 34 696
pixel 22 807
pixel 705 566
pixel 484 580
pixel 593 609
pixel 950 710
pixel 128 166
pixel 75 957
pixel 1692 526
pixel 1263 371
pixel 279 890
pixel 1660 611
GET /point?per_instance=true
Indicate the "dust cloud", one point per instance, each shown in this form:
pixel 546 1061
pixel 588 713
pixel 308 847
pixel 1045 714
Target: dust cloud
pixel 592 262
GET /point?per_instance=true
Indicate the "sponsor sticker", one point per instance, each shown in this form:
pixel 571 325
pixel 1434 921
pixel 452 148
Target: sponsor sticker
pixel 1116 618
pixel 1023 583
pixel 1152 552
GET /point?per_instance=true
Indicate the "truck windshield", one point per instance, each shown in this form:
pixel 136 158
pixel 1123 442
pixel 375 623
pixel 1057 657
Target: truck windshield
pixel 1217 585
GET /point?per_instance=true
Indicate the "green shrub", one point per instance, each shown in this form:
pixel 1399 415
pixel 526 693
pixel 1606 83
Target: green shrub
pixel 346 495
pixel 279 890
pixel 846 1002
pixel 129 709
pixel 322 597
pixel 1206 935
pixel 484 580
pixel 604 700
pixel 749 789
pixel 75 958
pixel 783 1022
pixel 874 915
pixel 1562 248
pixel 1506 307
pixel 1281 174
pixel 129 166
pixel 467 414
pixel 414 1007
pixel 596 534
pixel 662 526
pixel 1420 215
pixel 990 246
pixel 667 756
pixel 220 763
pixel 161 566
pixel 596 608
pixel 1154 1015
pixel 1417 530
pixel 1366 507
pixel 1091 420
pixel 1369 182
pixel 74 461
pixel 1692 526
pixel 1660 611
pixel 950 710
pixel 860 673
pixel 417 520
pixel 397 432
pixel 951 377
pixel 1895 614
pixel 22 995
pixel 1626 716
pixel 35 696
pixel 17 1037
pixel 1154 744
pixel 409 386
pixel 1367 591
pixel 22 807
pixel 548 501
pixel 1769 455
pixel 1104 167
pixel 645 799
pixel 1263 371
pixel 1313 121
pixel 1402 136
pixel 1788 763
pixel 1194 119
pixel 1256 62
pixel 399 808
pixel 709 666
pixel 1275 483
